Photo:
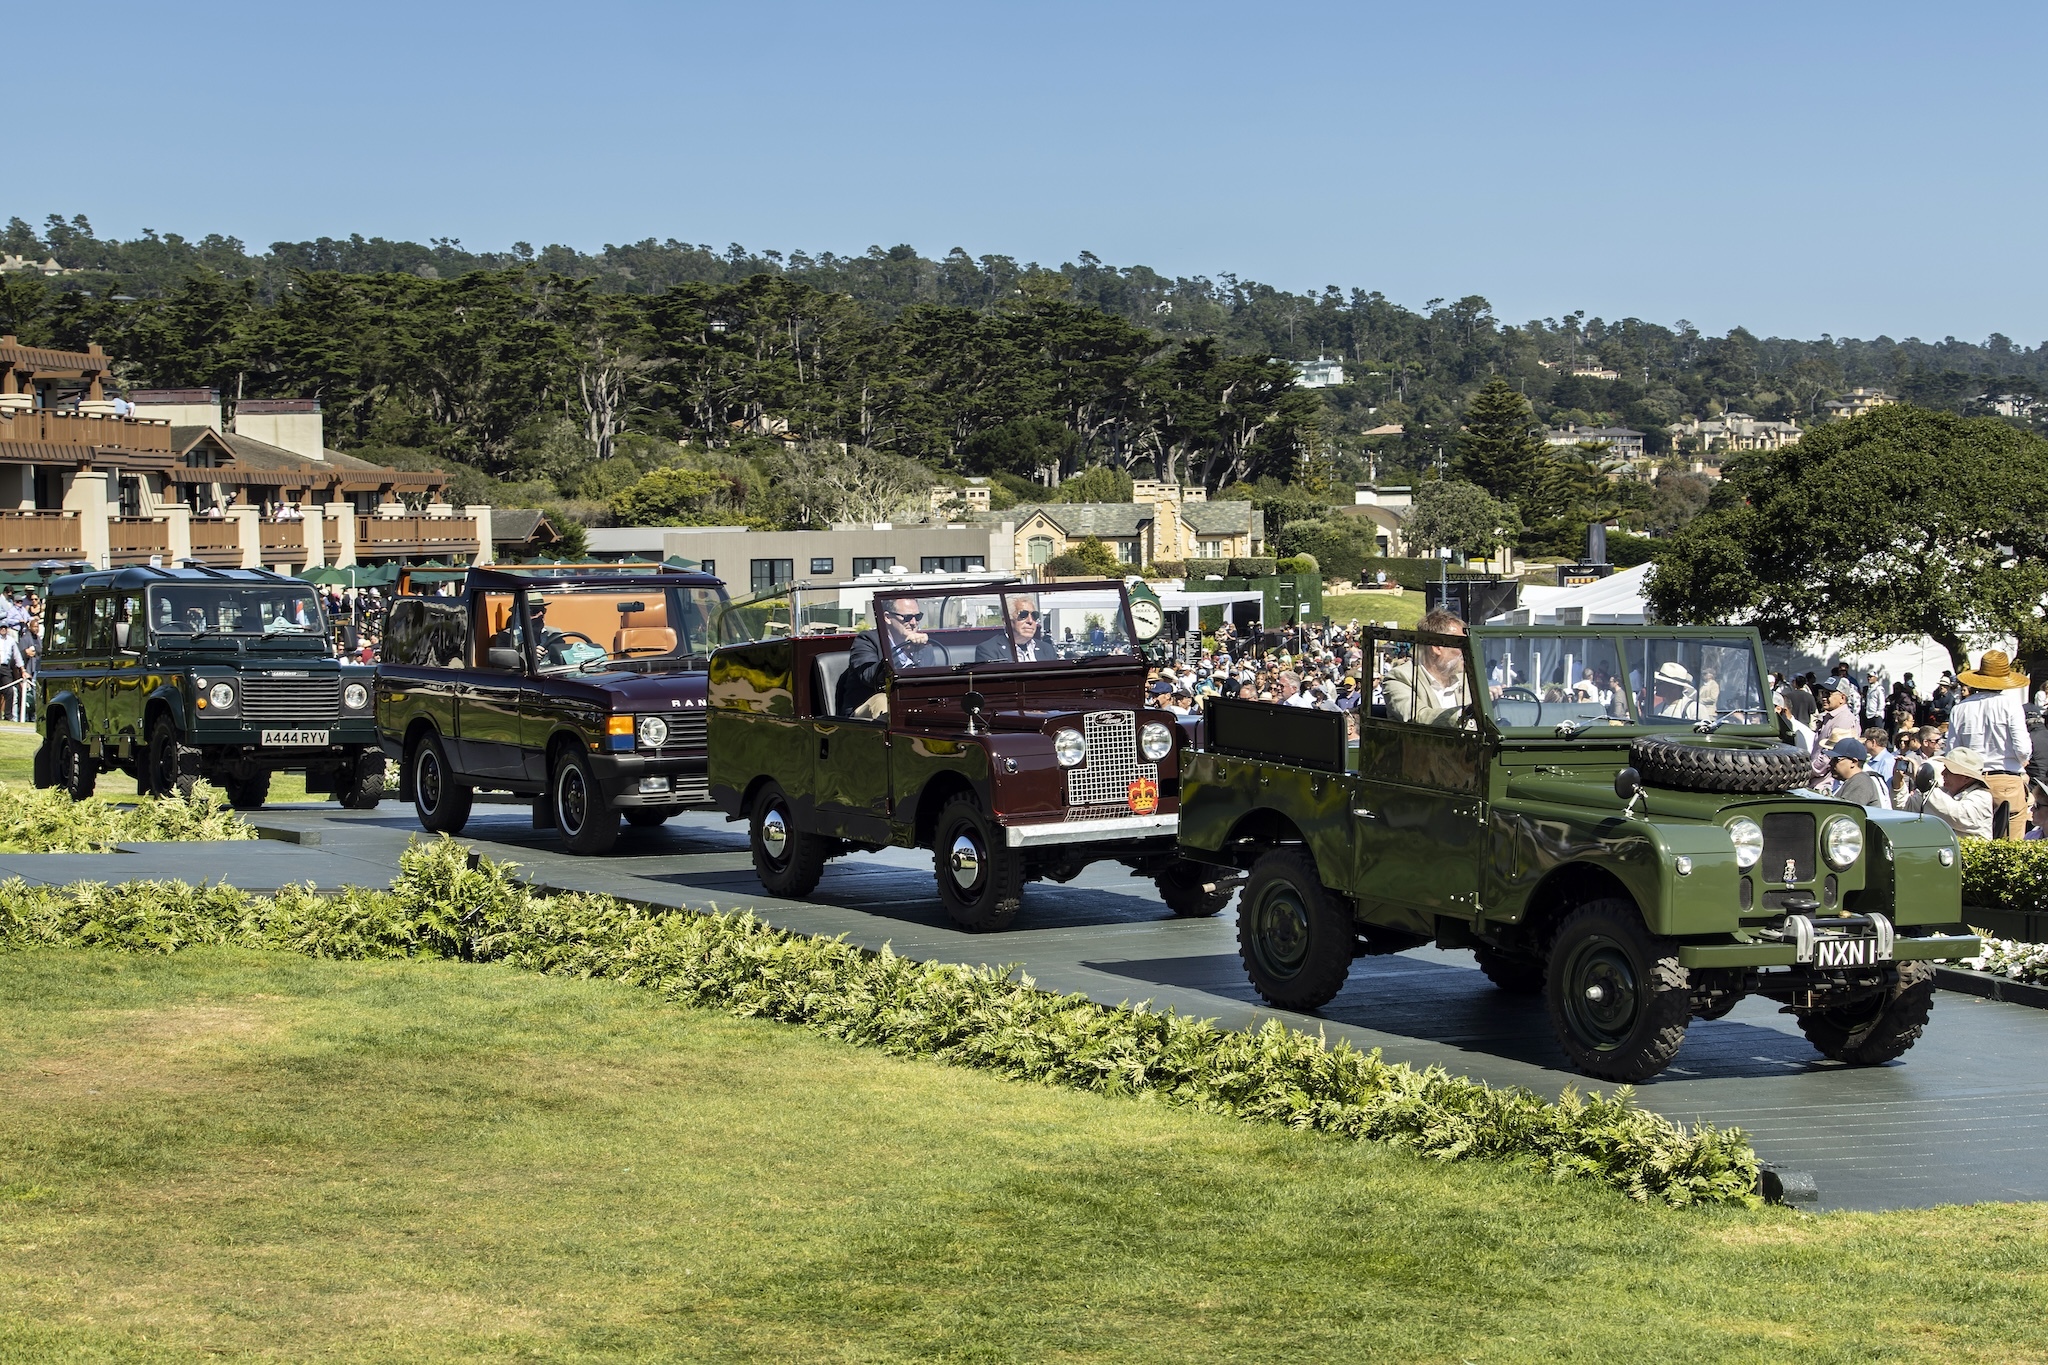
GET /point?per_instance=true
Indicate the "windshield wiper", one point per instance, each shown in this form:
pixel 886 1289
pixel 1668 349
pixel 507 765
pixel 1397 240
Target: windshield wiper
pixel 1570 727
pixel 1707 727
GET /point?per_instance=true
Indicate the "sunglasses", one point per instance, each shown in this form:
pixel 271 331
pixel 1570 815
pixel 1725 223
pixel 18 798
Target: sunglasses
pixel 911 616
pixel 1026 615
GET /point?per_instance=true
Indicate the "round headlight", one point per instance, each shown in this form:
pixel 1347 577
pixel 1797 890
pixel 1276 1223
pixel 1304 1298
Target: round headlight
pixel 355 696
pixel 1842 842
pixel 1748 838
pixel 1069 747
pixel 1155 741
pixel 220 696
pixel 653 732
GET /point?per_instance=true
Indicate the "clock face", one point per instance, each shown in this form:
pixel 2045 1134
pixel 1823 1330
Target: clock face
pixel 1146 618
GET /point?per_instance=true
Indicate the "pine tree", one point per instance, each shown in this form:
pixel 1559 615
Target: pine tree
pixel 1498 449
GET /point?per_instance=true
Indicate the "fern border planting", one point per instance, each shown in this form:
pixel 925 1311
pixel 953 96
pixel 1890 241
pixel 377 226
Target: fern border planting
pixel 447 904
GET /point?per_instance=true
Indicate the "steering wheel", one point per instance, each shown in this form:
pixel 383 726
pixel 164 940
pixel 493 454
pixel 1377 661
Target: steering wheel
pixel 1517 692
pixel 579 635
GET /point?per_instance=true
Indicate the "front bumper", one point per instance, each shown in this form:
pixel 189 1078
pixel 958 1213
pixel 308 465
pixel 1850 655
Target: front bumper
pixel 1931 948
pixel 1098 830
pixel 620 777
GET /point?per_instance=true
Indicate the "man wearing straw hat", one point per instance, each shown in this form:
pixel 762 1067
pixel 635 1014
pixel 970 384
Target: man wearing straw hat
pixel 1992 721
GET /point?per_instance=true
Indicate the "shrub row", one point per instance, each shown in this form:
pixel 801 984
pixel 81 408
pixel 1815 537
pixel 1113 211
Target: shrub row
pixel 2011 959
pixel 33 821
pixel 446 904
pixel 2001 874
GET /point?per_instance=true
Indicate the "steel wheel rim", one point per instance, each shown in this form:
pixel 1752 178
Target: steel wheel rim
pixel 1280 932
pixel 428 779
pixel 1602 995
pixel 775 835
pixel 572 804
pixel 966 861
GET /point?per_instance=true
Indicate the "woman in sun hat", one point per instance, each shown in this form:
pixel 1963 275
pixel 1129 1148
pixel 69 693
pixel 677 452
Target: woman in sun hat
pixel 1955 792
pixel 1671 692
pixel 1992 720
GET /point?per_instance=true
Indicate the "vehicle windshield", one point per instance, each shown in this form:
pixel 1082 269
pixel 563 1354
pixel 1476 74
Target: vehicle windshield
pixel 1545 681
pixel 196 610
pixel 649 629
pixel 1007 625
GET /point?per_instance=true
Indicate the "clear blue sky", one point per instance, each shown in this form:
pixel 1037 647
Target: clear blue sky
pixel 1796 168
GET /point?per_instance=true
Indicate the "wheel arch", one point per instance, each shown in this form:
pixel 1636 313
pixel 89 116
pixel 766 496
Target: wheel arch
pixel 932 799
pixel 165 701
pixel 63 709
pixel 1561 891
pixel 1258 830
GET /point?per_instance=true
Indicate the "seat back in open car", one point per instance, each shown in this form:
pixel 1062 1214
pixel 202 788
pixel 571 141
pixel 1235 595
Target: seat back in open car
pixel 826 670
pixel 645 640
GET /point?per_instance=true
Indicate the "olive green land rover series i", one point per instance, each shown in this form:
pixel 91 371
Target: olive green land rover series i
pixel 1605 816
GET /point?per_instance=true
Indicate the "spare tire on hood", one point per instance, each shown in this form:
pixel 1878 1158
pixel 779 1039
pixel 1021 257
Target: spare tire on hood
pixel 1700 766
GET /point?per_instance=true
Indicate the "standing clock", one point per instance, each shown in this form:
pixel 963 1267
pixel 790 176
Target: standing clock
pixel 1147 617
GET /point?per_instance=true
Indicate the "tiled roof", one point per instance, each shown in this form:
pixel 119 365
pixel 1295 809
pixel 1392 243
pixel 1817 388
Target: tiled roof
pixel 1103 520
pixel 1219 518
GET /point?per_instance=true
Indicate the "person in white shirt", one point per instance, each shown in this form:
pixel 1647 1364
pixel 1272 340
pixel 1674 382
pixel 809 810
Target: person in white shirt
pixel 1992 721
pixel 1958 797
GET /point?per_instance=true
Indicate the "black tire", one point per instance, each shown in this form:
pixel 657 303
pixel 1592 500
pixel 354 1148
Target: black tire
pixel 43 768
pixel 1196 890
pixel 1881 1029
pixel 1511 972
pixel 1618 998
pixel 1698 765
pixel 980 877
pixel 362 783
pixel 75 771
pixel 441 802
pixel 589 825
pixel 248 793
pixel 1295 939
pixel 643 818
pixel 166 775
pixel 787 860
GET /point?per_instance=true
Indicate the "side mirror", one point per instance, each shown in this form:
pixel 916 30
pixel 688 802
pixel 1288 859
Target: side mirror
pixel 973 703
pixel 120 635
pixel 507 659
pixel 1627 783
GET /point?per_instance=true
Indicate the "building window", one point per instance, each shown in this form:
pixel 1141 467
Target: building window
pixel 821 566
pixel 1212 549
pixel 1127 551
pixel 951 563
pixel 770 574
pixel 1039 550
pixel 863 567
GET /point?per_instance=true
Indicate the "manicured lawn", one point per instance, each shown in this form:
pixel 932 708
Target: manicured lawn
pixel 248 1154
pixel 1404 611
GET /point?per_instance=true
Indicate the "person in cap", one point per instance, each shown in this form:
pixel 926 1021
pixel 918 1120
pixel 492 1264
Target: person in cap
pixel 1671 691
pixel 1840 721
pixel 1859 784
pixel 1992 721
pixel 1957 796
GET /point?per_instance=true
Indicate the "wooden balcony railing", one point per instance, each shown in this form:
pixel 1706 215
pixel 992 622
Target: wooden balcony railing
pixel 54 426
pixel 380 536
pixel 283 540
pixel 26 537
pixel 218 543
pixel 132 540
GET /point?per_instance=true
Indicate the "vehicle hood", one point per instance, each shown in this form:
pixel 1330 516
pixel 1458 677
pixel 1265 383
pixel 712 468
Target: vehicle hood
pixel 1047 721
pixel 651 691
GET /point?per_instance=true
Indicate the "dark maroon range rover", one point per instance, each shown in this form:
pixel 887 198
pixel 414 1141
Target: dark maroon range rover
pixel 1005 728
pixel 584 692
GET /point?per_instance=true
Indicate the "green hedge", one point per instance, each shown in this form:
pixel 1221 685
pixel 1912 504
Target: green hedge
pixel 2009 875
pixel 33 821
pixel 447 904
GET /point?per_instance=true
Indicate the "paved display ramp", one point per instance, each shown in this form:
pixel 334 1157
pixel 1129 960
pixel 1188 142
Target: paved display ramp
pixel 1958 1120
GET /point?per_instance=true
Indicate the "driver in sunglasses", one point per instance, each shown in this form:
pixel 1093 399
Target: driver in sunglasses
pixel 1028 643
pixel 898 641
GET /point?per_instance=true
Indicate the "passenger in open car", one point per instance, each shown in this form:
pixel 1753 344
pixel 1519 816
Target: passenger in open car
pixel 870 659
pixel 1026 643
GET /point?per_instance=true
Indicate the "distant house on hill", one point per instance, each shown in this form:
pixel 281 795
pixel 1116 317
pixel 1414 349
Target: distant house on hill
pixel 1734 432
pixel 1856 402
pixel 1320 373
pixel 1622 441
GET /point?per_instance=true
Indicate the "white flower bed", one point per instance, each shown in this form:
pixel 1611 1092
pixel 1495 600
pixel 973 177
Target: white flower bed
pixel 2011 959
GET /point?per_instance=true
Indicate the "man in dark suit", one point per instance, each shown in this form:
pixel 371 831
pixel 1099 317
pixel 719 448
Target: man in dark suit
pixel 1027 642
pixel 871 659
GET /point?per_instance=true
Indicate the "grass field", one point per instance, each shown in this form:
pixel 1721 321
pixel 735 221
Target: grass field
pixel 1404 611
pixel 253 1155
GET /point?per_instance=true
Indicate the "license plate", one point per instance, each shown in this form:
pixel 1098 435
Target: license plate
pixel 294 739
pixel 1845 952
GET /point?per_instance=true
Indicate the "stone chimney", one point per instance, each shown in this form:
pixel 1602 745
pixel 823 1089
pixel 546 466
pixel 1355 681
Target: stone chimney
pixel 292 424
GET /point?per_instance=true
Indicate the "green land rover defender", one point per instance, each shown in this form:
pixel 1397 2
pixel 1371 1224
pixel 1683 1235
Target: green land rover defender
pixel 1606 816
pixel 173 675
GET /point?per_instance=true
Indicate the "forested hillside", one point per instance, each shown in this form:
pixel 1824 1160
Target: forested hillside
pixel 570 374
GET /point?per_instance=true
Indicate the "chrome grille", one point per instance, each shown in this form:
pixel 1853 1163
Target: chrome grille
pixel 1104 778
pixel 694 787
pixel 686 733
pixel 1788 838
pixel 297 702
